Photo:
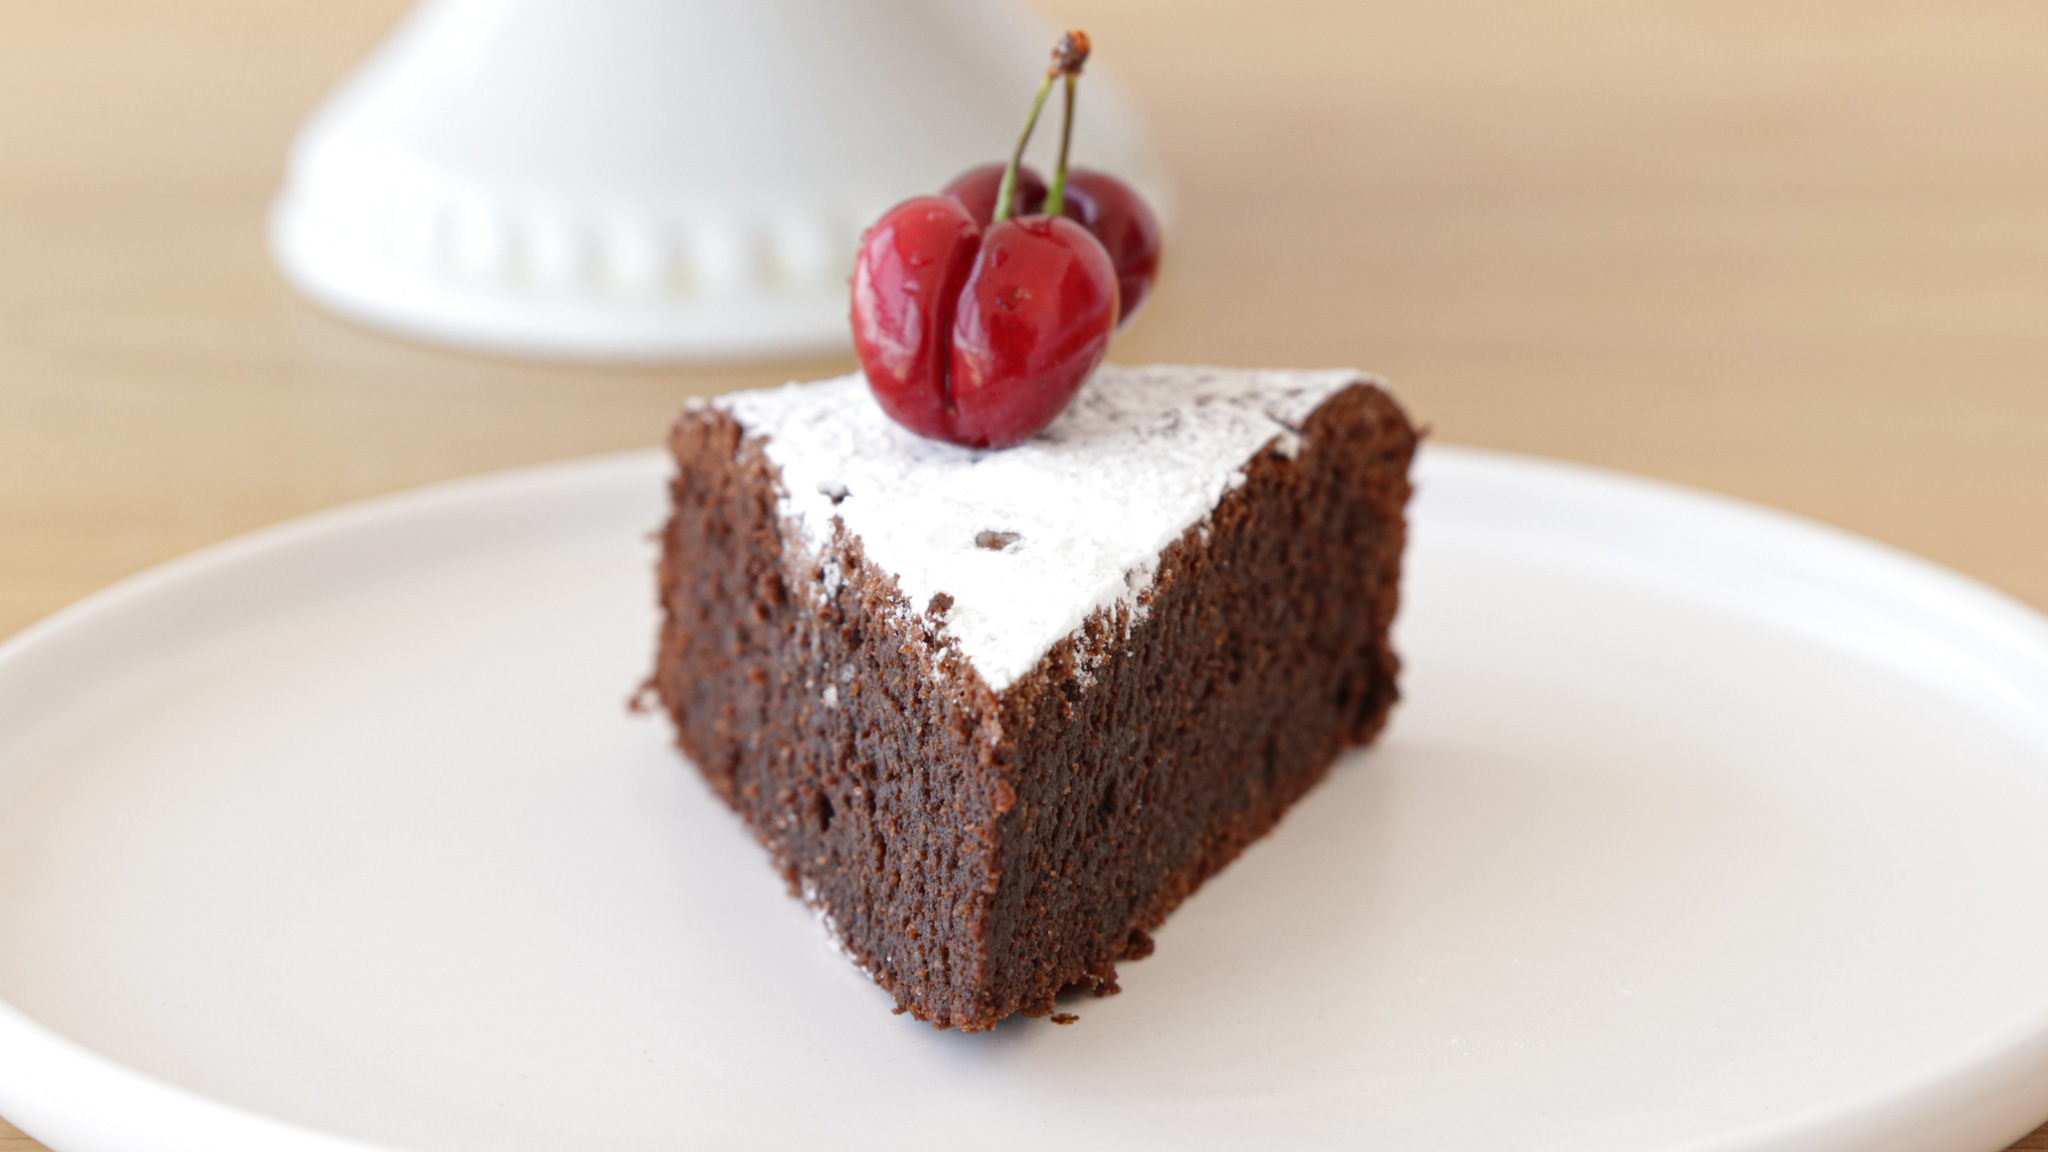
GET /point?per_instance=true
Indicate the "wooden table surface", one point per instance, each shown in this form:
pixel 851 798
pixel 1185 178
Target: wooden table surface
pixel 1795 252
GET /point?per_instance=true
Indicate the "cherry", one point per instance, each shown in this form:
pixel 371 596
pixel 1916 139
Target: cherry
pixel 907 280
pixel 1034 321
pixel 1099 202
pixel 1116 215
pixel 981 332
pixel 979 336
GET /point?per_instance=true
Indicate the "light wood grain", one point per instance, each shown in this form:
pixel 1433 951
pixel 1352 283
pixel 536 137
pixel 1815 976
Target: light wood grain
pixel 1793 252
pixel 12 1139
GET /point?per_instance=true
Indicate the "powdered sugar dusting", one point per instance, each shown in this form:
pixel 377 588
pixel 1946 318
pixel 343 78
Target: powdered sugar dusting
pixel 1028 541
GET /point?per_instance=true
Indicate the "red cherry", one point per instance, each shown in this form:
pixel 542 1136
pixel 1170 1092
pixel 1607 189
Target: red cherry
pixel 1099 202
pixel 1035 320
pixel 1114 212
pixel 907 281
pixel 977 325
pixel 979 336
pixel 977 187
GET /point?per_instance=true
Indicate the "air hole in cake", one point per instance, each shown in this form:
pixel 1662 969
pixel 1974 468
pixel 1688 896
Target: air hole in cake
pixel 995 541
pixel 1269 771
pixel 824 812
pixel 833 492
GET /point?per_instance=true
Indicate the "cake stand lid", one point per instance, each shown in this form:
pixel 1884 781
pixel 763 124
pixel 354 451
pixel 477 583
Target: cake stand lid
pixel 654 179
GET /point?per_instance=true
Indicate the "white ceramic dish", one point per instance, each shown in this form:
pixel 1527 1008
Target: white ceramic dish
pixel 656 179
pixel 1700 828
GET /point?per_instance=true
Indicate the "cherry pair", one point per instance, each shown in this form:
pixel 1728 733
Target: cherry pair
pixel 976 320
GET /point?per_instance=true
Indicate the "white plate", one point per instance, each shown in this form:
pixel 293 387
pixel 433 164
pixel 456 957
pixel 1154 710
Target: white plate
pixel 1700 828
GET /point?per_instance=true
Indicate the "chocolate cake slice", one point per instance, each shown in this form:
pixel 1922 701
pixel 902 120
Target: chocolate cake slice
pixel 996 713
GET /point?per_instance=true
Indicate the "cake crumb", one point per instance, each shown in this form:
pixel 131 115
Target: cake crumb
pixel 1065 1018
pixel 644 698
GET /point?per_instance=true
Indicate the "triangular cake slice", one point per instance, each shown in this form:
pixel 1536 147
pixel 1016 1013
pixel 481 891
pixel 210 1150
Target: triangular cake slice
pixel 996 713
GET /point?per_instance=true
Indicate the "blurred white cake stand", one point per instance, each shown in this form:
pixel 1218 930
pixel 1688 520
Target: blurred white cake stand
pixel 653 179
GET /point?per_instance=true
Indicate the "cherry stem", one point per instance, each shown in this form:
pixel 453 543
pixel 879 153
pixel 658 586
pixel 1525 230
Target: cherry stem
pixel 1007 190
pixel 1067 57
pixel 1056 196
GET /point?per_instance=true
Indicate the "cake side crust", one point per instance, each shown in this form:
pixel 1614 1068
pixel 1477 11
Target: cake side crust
pixel 1145 762
pixel 840 725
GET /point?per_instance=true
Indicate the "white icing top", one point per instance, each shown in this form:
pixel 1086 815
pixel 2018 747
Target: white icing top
pixel 1141 455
